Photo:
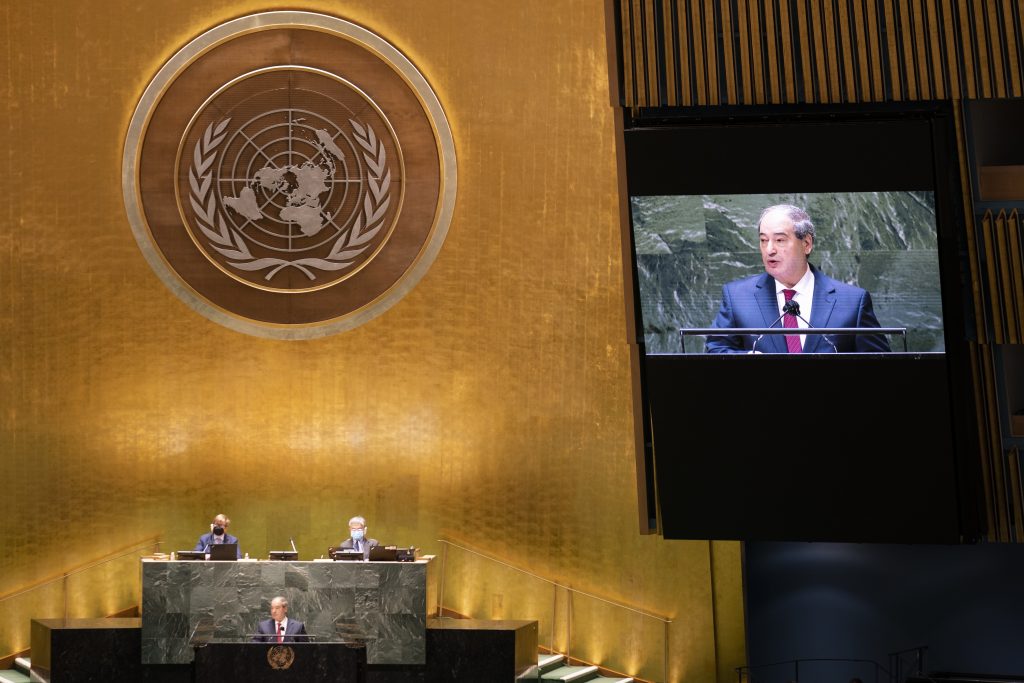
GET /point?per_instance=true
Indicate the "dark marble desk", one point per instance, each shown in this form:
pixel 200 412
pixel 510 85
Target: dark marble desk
pixel 473 650
pixel 381 605
pixel 72 650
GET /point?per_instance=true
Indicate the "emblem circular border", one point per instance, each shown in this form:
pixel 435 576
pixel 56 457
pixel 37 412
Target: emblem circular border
pixel 221 34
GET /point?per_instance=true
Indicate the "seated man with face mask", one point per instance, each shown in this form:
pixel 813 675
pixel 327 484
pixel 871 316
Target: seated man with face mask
pixel 357 539
pixel 218 534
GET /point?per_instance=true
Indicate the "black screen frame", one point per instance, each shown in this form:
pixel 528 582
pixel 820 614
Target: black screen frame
pixel 827 148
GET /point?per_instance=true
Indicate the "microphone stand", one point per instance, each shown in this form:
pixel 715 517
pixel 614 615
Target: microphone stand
pixel 789 307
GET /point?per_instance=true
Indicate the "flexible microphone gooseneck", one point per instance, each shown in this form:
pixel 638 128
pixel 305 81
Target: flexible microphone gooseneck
pixel 790 307
pixel 796 311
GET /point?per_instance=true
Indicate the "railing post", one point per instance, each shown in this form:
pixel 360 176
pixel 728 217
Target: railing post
pixel 554 613
pixel 64 583
pixel 568 621
pixel 440 588
pixel 664 653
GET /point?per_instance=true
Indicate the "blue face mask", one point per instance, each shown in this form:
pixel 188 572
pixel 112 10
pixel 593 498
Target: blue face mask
pixel 357 534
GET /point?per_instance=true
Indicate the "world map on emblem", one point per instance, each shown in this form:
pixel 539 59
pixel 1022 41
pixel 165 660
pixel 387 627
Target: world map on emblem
pixel 289 198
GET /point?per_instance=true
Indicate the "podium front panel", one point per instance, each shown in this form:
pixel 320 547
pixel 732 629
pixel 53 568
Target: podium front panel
pixel 381 605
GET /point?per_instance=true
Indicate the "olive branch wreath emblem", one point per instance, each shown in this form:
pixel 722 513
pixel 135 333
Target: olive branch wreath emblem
pixel 228 241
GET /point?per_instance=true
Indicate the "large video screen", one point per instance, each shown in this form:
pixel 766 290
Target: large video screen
pixel 866 442
pixel 689 246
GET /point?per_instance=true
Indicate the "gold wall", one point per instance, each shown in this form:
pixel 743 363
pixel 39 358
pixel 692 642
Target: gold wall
pixel 491 406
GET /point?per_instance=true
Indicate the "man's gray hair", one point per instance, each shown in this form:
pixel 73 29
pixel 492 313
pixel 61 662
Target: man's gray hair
pixel 802 225
pixel 281 599
pixel 357 520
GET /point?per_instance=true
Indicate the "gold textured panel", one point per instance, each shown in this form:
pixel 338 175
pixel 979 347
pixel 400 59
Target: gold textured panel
pixel 492 404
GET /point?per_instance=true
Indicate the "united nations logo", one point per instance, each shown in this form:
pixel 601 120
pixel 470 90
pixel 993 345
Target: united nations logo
pixel 280 657
pixel 289 175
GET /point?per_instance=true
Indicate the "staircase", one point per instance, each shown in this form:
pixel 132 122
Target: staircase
pixel 18 673
pixel 556 667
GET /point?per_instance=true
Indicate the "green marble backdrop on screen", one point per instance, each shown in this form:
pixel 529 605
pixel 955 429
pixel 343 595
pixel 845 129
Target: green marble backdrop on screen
pixel 689 246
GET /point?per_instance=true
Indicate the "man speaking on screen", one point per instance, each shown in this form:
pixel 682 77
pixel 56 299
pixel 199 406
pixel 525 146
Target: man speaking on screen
pixel 792 293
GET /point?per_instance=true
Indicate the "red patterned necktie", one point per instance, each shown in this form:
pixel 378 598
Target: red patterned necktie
pixel 789 320
pixel 280 632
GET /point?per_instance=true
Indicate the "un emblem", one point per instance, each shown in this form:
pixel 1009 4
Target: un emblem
pixel 280 657
pixel 289 175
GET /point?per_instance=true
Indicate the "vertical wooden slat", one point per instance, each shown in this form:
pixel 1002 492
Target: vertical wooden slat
pixel 858 28
pixel 786 38
pixel 710 41
pixel 904 17
pixel 757 53
pixel 639 53
pixel 977 21
pixel 971 226
pixel 937 39
pixel 922 52
pixel 847 52
pixel 826 51
pixel 994 41
pixel 992 274
pixel 729 62
pixel 891 50
pixel 1016 498
pixel 1009 312
pixel 1012 48
pixel 998 26
pixel 1015 256
pixel 771 45
pixel 744 53
pixel 696 27
pixel 964 37
pixel 670 52
pixel 815 37
pixel 685 55
pixel 651 53
pixel 985 405
pixel 952 47
pixel 804 19
pixel 628 52
pixel 874 50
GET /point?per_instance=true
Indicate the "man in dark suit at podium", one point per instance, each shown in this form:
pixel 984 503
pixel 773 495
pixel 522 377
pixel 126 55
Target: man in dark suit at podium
pixel 218 534
pixel 357 539
pixel 793 293
pixel 279 628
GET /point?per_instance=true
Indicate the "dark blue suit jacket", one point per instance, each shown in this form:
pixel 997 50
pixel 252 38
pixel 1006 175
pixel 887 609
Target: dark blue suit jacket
pixel 295 632
pixel 752 302
pixel 207 540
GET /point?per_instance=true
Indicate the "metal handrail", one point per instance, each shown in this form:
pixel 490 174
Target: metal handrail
pixel 555 586
pixel 555 583
pixel 155 541
pixel 65 576
pixel 740 670
pixel 896 661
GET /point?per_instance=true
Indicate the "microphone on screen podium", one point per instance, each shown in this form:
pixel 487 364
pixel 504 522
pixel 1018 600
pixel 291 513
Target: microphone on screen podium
pixel 790 307
pixel 796 311
pixel 292 541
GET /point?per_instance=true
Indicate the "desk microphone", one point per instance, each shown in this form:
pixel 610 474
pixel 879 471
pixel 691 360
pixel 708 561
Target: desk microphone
pixel 294 549
pixel 790 307
pixel 796 311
